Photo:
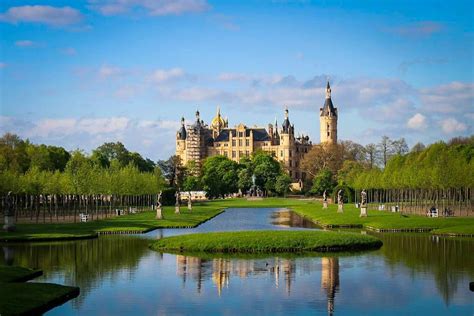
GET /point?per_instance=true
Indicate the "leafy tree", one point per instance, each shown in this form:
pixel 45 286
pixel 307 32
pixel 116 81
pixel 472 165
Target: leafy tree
pixel 244 179
pixel 324 180
pixel 400 146
pixel 266 170
pixel 219 176
pixel 282 184
pixel 418 147
pixel 13 153
pixel 172 170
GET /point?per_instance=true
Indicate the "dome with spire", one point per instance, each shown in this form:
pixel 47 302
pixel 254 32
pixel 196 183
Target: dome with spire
pixel 218 122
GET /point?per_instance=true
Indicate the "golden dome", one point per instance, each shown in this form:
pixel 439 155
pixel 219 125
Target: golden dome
pixel 218 121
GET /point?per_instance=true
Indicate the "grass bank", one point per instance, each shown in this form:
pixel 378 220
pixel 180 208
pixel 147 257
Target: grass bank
pixel 133 223
pixel 30 298
pixel 267 242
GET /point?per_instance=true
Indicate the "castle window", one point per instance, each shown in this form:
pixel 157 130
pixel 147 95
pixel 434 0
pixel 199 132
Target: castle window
pixel 291 174
pixel 247 153
pixel 233 142
pixel 328 134
pixel 281 153
pixel 291 153
pixel 226 154
pixel 240 142
pixel 328 127
pixel 233 153
pixel 290 163
pixel 296 175
pixel 247 142
pixel 226 145
pixel 241 153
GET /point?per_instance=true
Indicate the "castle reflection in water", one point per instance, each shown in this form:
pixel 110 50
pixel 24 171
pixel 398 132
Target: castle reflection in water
pixel 282 270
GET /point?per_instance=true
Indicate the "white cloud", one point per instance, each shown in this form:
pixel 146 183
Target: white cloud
pixel 421 28
pixel 417 122
pixel 152 7
pixel 25 43
pixel 454 97
pixel 109 71
pixel 54 16
pixel 451 125
pixel 151 138
pixel 163 75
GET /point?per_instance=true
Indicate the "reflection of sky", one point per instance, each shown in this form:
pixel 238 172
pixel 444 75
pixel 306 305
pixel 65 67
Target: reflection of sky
pixel 364 284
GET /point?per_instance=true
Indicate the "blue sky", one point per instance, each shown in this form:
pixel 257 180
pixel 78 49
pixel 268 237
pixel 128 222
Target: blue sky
pixel 79 73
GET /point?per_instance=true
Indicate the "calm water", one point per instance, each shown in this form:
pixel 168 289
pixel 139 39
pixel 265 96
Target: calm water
pixel 412 274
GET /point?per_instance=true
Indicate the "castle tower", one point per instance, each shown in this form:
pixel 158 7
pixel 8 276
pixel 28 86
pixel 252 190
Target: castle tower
pixel 328 120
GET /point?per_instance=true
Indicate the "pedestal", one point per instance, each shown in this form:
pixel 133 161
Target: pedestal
pixel 340 208
pixel 176 209
pixel 159 215
pixel 9 224
pixel 363 211
pixel 325 205
pixel 190 207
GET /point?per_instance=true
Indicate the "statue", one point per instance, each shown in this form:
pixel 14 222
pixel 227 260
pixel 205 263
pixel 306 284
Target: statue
pixel 190 203
pixel 363 204
pixel 159 214
pixel 340 201
pixel 325 200
pixel 9 217
pixel 176 206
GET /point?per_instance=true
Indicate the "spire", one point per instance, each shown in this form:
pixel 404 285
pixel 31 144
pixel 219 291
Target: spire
pixel 328 91
pixel 286 112
pixel 197 115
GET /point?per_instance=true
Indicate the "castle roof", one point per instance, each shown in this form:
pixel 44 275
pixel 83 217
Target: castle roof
pixel 259 134
pixel 328 108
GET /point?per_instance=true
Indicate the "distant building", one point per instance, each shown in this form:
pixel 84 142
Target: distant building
pixel 197 141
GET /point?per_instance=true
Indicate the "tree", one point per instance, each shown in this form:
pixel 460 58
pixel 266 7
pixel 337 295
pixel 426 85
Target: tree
pixel 219 176
pixel 13 153
pixel 282 184
pixel 324 180
pixel 244 182
pixel 172 170
pixel 386 149
pixel 418 147
pixel 266 170
pixel 114 151
pixel 320 157
pixel 371 154
pixel 400 146
pixel 352 150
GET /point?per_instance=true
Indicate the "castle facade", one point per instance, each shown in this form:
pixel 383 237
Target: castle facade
pixel 197 141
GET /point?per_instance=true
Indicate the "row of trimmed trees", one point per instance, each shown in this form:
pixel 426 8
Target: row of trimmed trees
pixel 48 189
pixel 440 175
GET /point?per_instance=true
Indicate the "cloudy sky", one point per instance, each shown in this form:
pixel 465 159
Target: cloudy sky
pixel 79 73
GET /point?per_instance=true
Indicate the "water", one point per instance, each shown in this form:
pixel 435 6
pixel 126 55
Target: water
pixel 410 274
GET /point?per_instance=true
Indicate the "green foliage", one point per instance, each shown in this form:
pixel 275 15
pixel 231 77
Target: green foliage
pixel 41 169
pixel 266 170
pixel 219 176
pixel 282 185
pixel 324 181
pixel 438 166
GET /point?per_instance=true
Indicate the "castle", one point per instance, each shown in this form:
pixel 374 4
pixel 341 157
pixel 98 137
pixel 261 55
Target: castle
pixel 197 141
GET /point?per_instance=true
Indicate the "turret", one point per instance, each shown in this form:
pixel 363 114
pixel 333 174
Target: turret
pixel 181 134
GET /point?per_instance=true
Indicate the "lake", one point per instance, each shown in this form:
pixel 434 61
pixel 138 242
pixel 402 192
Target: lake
pixel 118 274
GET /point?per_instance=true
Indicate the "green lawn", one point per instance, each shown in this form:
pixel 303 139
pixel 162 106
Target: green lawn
pixel 30 298
pixel 267 242
pixel 145 221
pixel 134 223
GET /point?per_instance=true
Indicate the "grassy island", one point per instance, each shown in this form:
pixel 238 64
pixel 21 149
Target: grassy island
pixel 18 298
pixel 267 242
